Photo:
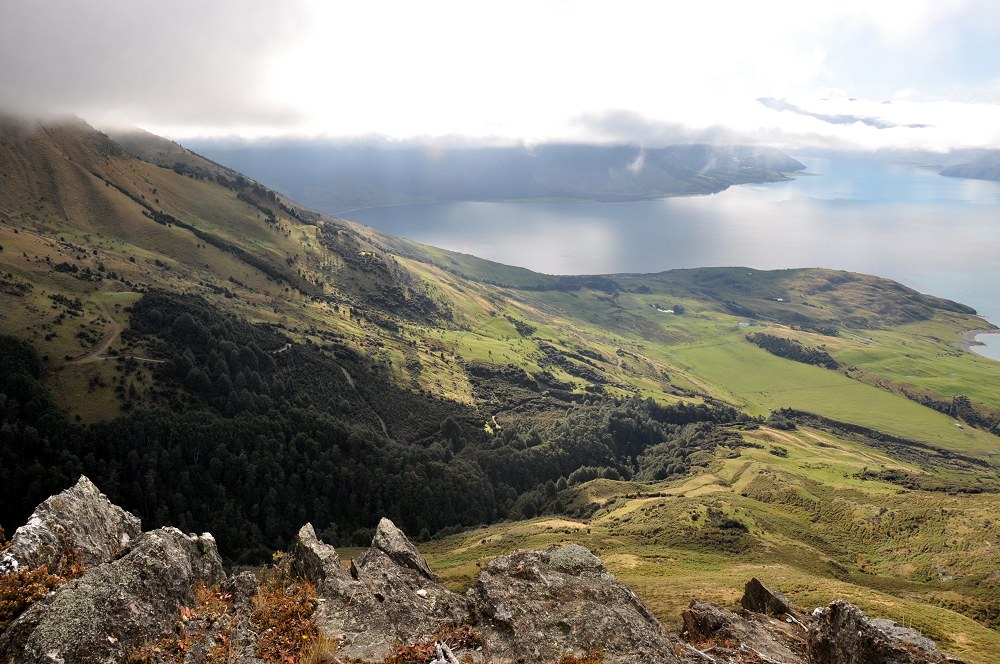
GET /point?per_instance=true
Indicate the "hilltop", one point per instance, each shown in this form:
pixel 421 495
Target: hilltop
pixel 218 357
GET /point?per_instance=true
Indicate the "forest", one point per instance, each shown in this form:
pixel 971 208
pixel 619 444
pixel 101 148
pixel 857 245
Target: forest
pixel 248 436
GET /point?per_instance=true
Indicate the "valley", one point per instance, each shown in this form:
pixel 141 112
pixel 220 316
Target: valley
pixel 218 357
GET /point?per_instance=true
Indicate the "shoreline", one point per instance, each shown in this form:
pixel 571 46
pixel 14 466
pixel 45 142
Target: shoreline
pixel 969 340
pixel 787 176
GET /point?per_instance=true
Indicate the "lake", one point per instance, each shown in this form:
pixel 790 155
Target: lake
pixel 935 234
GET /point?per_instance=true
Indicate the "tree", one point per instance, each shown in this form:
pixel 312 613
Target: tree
pixel 197 380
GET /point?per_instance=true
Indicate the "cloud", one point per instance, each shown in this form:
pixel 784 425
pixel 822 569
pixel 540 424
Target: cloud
pixel 936 126
pixel 637 164
pixel 179 62
pixel 518 70
pixel 843 118
pixel 628 127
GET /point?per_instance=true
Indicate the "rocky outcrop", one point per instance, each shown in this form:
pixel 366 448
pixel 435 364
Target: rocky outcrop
pixel 538 606
pixel 389 541
pixel 314 560
pixel 243 587
pixel 769 628
pixel 117 606
pixel 742 637
pixel 842 634
pixel 389 596
pixel 79 526
pixel 534 606
pixel 760 599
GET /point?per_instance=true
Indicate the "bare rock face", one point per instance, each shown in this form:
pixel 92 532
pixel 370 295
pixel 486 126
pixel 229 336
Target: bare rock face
pixel 760 599
pixel 843 634
pixel 390 595
pixel 538 606
pixel 840 634
pixel 390 541
pixel 244 587
pixel 117 606
pixel 314 560
pixel 81 522
pixel 742 637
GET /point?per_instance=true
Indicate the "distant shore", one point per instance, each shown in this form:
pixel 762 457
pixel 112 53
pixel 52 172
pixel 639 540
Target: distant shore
pixel 969 340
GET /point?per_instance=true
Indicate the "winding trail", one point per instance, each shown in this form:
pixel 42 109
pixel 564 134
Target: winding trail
pixel 98 353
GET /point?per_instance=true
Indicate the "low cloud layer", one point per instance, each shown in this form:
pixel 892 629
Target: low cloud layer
pixel 514 71
pixel 120 61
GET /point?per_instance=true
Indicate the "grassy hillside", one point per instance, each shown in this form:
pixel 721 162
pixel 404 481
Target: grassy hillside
pixel 794 509
pixel 227 360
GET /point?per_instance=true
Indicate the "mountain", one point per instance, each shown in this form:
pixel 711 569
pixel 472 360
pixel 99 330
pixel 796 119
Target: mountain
pixel 334 177
pixel 220 358
pixel 983 167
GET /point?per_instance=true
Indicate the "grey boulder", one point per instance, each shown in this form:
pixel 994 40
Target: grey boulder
pixel 78 523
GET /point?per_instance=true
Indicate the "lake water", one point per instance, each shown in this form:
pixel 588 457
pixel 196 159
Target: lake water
pixel 935 234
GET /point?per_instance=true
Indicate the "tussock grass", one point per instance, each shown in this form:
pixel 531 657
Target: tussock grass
pixel 818 532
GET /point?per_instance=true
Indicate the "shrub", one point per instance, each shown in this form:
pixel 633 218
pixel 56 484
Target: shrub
pixel 21 589
pixel 462 636
pixel 282 613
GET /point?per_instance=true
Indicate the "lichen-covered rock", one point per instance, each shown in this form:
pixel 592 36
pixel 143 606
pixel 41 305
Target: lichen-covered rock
pixel 117 606
pixel 243 587
pixel 760 599
pixel 538 606
pixel 736 637
pixel 314 560
pixel 78 525
pixel 390 541
pixel 575 559
pixel 389 596
pixel 843 634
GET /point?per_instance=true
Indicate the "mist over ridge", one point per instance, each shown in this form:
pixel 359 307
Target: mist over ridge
pixel 337 177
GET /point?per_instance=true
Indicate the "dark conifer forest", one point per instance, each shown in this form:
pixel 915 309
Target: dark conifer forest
pixel 248 436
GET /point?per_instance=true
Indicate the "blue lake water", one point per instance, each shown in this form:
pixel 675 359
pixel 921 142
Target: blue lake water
pixel 935 234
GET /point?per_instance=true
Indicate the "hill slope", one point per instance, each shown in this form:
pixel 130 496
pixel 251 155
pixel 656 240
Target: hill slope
pixel 984 167
pixel 219 358
pixel 344 176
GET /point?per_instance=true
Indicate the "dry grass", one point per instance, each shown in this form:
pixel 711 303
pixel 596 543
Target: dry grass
pixel 282 614
pixel 321 650
pixel 592 657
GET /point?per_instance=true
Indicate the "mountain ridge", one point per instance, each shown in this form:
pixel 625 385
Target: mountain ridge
pixel 339 177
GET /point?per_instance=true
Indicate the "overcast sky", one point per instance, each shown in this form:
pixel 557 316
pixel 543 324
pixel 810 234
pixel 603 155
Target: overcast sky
pixel 647 72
